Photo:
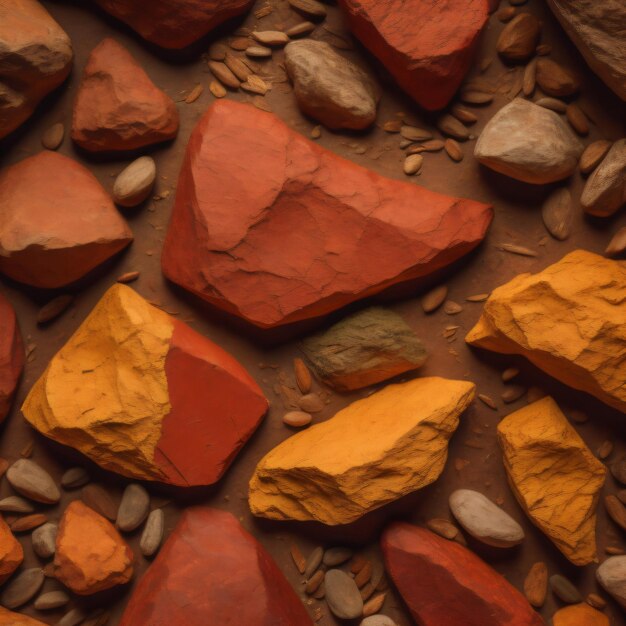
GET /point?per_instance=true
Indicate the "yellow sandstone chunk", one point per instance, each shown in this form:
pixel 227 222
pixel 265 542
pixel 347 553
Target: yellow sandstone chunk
pixel 372 452
pixel 555 477
pixel 569 320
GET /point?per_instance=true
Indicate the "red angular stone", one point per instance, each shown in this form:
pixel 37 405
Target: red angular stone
pixel 118 107
pixel 444 584
pixel 174 23
pixel 209 572
pixel 11 355
pixel 57 223
pixel 271 227
pixel 426 46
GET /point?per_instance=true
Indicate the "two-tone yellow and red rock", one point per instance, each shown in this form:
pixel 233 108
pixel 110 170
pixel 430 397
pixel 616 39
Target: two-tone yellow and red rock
pixel 209 572
pixel 118 107
pixel 144 395
pixel 11 552
pixel 554 476
pixel 374 451
pixel 569 320
pixel 444 584
pixel 11 355
pixel 303 232
pixel 57 223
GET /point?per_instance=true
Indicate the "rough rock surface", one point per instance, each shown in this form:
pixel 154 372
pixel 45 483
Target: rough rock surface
pixel 144 395
pixel 9 618
pixel 11 355
pixel 11 553
pixel 554 476
pixel 605 189
pixel 612 576
pixel 276 243
pixel 174 24
pixel 530 143
pixel 426 46
pixel 211 571
pixel 597 30
pixel 117 106
pixel 444 584
pixel 57 223
pixel 35 58
pixel 363 349
pixel 569 320
pixel 398 444
pixel 579 615
pixel 90 554
pixel 329 87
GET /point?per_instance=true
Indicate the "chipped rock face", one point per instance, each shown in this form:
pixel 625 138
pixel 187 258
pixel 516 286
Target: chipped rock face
pixel 209 570
pixel 579 615
pixel 276 243
pixel 11 552
pixel 398 444
pixel 554 476
pixel 530 143
pixel 612 576
pixel 90 554
pixel 11 355
pixel 329 87
pixel 174 24
pixel 363 349
pixel 57 223
pixel 426 46
pixel 35 58
pixel 144 395
pixel 557 319
pixel 9 618
pixel 444 584
pixel 118 107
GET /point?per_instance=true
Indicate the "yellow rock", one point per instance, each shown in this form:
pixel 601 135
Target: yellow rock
pixel 372 452
pixel 554 476
pixel 579 615
pixel 569 320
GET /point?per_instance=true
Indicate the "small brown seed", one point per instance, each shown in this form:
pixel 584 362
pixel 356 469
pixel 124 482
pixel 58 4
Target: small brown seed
pixel 434 145
pixel 597 602
pixel 519 38
pixel 536 584
pixel 392 126
pixel 479 297
pixel 434 298
pixel 553 104
pixel 100 500
pixel 555 80
pixel 509 374
pixel 412 133
pixel 506 14
pixel 258 52
pixel 452 308
pixel 28 522
pixel 453 150
pixel 271 38
pixel 616 510
pixel 297 557
pixel 528 82
pixel 473 96
pixel 515 249
pixel 302 374
pixel 53 136
pixel 443 528
pixel 311 403
pixel 314 582
pixel 194 94
pixel 463 115
pixel 605 449
pixel 255 84
pixel 413 164
pixel 313 561
pixel 21 588
pixel 564 589
pixel 358 563
pixel 450 126
pixel 239 43
pixel 303 28
pixel 513 393
pixel 297 419
pixel 310 8
pixel 54 308
pixel 224 75
pixel 217 52
pixel 237 67
pixel 617 245
pixel 128 277
pixel 363 575
pixel 557 213
pixel 488 400
pixel 217 89
pixel 374 605
pixel 577 119
pixel 593 155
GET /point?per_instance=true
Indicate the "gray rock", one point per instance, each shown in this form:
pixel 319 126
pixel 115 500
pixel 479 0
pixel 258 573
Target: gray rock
pixel 605 190
pixel 73 618
pixel 556 213
pixel 134 508
pixel 564 589
pixel 329 87
pixel 74 478
pixel 342 595
pixel 336 556
pixel 530 143
pixel 53 136
pixel 44 540
pixel 612 576
pixel 134 183
pixel 22 588
pixel 378 620
pixel 16 504
pixel 51 600
pixel 152 534
pixel 32 481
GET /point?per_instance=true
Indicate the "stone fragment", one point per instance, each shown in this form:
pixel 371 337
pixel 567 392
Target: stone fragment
pixel 134 508
pixel 342 595
pixel 554 476
pixel 209 570
pixel 387 458
pixel 572 298
pixel 134 184
pixel 56 222
pixel 22 588
pixel 536 584
pixel 11 552
pixel 44 540
pixel 300 188
pixel 36 58
pixel 519 38
pixel 593 155
pixel 11 354
pixel 52 138
pixel 427 47
pixel 51 600
pixel 605 190
pixel 617 245
pixel 579 615
pixel 612 576
pixel 75 477
pixel 174 24
pixel 152 533
pixel 564 589
pixel 529 143
pixel 442 582
pixel 90 554
pixel 142 394
pixel 554 79
pixel 556 213
pixel 32 481
pixel 329 87
pixel 363 349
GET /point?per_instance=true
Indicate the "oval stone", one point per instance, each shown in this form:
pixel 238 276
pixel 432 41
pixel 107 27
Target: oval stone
pixel 51 600
pixel 135 182
pixel 612 576
pixel 152 533
pixel 32 481
pixel 44 540
pixel 134 508
pixel 22 588
pixel 342 595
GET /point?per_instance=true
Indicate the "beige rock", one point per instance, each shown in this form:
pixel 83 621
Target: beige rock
pixel 134 183
pixel 605 191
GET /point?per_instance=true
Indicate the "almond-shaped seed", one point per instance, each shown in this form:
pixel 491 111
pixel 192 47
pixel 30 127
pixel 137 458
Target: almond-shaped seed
pixel 449 125
pixel 217 52
pixel 239 43
pixel 506 14
pixel 616 510
pixel 44 540
pixel 297 419
pixel 593 155
pixel 577 119
pixel 392 126
pixel 303 375
pixel 314 582
pixel 605 449
pixel 536 584
pixel 454 150
pixel 51 600
pixel 271 38
pixel 127 277
pixel 363 575
pixel 152 534
pixel 313 561
pixel 432 300
pixel 75 477
pixel 194 94
pixel 515 249
pixel 28 522
pixel 217 89
pixel 479 297
pixel 311 403
pixel 259 52
pixel 367 591
pixel 412 133
pixel 16 504
pixel 452 308
pixel 434 145
pixel 310 8
pixel 443 527
pixel 413 164
pixel 488 400
pixel 473 96
pixel 371 607
pixel 564 589
pixel 298 558
pixel 509 374
pixel 20 589
pixel 513 393
pixel 336 556
pixel 529 80
pixel 255 84
pixel 358 563
pixel 617 245
pixel 303 28
pixel 557 213
pixel 73 618
pixel 224 75
pixel 54 308
pixel 237 67
pixel 463 115
pixel 597 602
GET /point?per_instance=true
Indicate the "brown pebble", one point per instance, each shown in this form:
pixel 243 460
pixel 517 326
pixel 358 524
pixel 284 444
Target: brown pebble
pixel 358 563
pixel 432 300
pixel 554 79
pixel 443 528
pixel 194 94
pixel 488 400
pixel 53 136
pixel 593 155
pixel 597 602
pixel 128 277
pixel 605 449
pixel 363 575
pixel 374 605
pixel 452 308
pixel 314 582
pixel 454 150
pixel 463 115
pixel 54 308
pixel 513 393
pixel 617 245
pixel 28 522
pixel 297 557
pixel 616 510
pixel 302 374
pixel 217 89
pixel 100 500
pixel 577 119
pixel 536 584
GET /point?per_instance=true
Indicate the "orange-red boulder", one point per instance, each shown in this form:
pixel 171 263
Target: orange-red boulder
pixel 444 584
pixel 271 227
pixel 11 553
pixel 211 571
pixel 11 355
pixel 57 223
pixel 426 46
pixel 118 107
pixel 174 23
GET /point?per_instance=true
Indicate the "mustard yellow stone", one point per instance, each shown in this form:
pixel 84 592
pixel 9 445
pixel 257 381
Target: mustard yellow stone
pixel 554 476
pixel 372 452
pixel 569 320
pixel 579 615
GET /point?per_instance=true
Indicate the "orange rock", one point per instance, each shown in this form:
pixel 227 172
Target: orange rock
pixel 11 553
pixel 90 554
pixel 9 618
pixel 11 355
pixel 579 615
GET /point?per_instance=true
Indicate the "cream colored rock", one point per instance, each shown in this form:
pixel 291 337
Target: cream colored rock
pixel 605 190
pixel 612 576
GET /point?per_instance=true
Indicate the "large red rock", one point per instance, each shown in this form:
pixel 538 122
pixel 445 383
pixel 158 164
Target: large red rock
pixel 174 23
pixel 275 229
pixel 57 223
pixel 444 584
pixel 212 572
pixel 11 355
pixel 118 107
pixel 426 46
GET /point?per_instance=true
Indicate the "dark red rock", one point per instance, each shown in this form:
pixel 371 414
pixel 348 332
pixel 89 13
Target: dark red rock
pixel 11 355
pixel 212 572
pixel 444 584
pixel 174 23
pixel 426 46
pixel 275 229
pixel 118 107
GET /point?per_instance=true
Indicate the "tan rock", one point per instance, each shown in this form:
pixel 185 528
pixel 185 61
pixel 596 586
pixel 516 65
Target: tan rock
pixel 579 615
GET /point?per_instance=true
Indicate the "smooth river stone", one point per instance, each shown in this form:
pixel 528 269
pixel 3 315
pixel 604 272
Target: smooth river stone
pixel 612 576
pixel 134 508
pixel 342 595
pixel 134 183
pixel 32 481
pixel 11 355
